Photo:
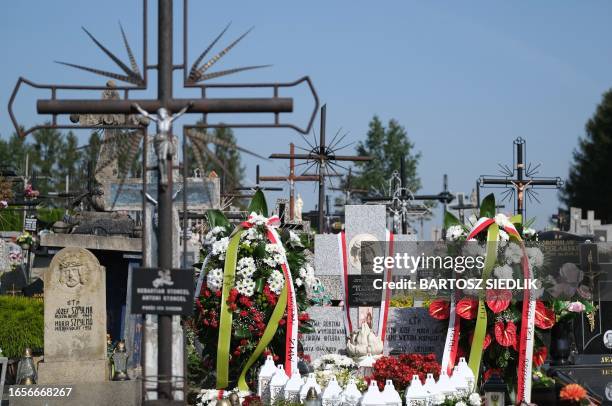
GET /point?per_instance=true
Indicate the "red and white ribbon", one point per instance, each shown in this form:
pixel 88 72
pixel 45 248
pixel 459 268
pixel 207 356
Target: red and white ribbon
pixel 386 292
pixel 451 345
pixel 526 338
pixel 291 336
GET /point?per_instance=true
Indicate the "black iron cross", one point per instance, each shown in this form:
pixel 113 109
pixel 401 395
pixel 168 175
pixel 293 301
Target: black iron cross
pixel 324 158
pixel 520 179
pixel 255 187
pixel 164 108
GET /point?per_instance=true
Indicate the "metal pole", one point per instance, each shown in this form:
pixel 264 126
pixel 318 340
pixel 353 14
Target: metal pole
pixel 164 198
pixel 403 194
pixel 291 182
pixel 520 164
pixel 322 173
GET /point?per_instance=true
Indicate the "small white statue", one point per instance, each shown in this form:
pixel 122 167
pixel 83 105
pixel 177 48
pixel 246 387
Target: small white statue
pixel 364 342
pixel 164 148
pixel 299 205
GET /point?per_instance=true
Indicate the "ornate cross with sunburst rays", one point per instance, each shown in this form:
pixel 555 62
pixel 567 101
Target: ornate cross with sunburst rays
pixel 324 159
pixel 520 180
pixel 137 80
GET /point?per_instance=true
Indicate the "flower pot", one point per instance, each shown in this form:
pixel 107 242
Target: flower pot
pixel 561 341
pixel 544 396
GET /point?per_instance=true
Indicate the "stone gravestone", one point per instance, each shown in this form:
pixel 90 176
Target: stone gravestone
pixel 3 368
pixel 5 264
pixel 413 330
pixel 328 336
pixel 75 319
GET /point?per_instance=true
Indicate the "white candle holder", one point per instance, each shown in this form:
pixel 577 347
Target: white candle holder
pixel 263 379
pixel 277 384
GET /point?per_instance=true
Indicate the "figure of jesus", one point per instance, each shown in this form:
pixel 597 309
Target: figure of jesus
pixel 164 148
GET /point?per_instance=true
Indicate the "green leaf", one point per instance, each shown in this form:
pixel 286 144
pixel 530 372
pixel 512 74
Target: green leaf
pixel 258 204
pixel 451 220
pixel 216 218
pixel 259 285
pixel 487 207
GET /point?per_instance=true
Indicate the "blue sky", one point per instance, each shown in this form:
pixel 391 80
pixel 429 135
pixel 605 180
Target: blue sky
pixel 464 78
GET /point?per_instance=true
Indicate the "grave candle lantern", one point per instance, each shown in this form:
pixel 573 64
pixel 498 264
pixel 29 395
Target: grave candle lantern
pixel 120 357
pixel 366 365
pixel 312 398
pixel 416 395
pixel 444 385
pixel 351 395
pixel 277 384
pixel 467 373
pixel 390 395
pixel 293 386
pixel 263 380
pixel 495 391
pixel 373 397
pixel 26 372
pixel 459 382
pixel 331 394
pixel 311 382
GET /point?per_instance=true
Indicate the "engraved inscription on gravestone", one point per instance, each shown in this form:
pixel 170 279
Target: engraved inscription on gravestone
pixel 75 319
pixel 328 336
pixel 412 330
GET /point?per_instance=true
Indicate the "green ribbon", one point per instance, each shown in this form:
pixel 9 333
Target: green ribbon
pixel 480 330
pixel 225 322
pixel 270 330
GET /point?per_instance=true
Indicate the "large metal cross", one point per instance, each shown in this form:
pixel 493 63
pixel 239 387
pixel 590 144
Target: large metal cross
pixel 164 109
pixel 323 157
pixel 520 180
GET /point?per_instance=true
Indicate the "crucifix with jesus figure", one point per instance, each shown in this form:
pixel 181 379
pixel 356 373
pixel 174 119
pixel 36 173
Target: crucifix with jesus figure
pixel 520 180
pixel 164 110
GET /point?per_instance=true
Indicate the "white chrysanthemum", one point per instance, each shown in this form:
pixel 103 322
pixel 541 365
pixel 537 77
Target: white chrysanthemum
pixel 536 258
pixel 251 234
pixel 214 279
pixel 454 232
pixel 246 287
pixel 460 403
pixel 220 247
pixel 474 399
pixel 294 238
pixel 529 232
pixel 513 254
pixel 503 272
pixel 298 282
pixel 257 219
pixel 276 280
pixel 502 220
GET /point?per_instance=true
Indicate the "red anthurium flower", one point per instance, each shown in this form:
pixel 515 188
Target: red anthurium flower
pixel 439 309
pixel 544 317
pixel 540 356
pixel 498 300
pixel 505 334
pixel 467 308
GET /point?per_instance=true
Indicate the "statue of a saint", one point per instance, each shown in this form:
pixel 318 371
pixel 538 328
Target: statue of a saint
pixel 299 205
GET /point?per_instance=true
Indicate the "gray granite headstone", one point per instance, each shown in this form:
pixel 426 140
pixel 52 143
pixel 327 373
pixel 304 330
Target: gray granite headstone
pixel 3 368
pixel 4 256
pixel 75 319
pixel 328 336
pixel 412 330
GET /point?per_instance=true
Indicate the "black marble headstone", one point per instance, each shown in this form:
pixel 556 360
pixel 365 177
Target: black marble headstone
pixel 12 282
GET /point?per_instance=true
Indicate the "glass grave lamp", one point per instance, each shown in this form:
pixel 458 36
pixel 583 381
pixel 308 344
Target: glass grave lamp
pixel 416 395
pixel 277 384
pixel 120 357
pixel 312 398
pixel 494 391
pixel 26 372
pixel 373 396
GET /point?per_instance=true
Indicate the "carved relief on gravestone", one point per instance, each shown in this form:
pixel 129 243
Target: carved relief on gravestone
pixel 75 319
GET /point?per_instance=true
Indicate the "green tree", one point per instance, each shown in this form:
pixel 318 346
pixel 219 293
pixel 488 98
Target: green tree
pixel 588 185
pixel 232 170
pixel 69 158
pixel 46 147
pixel 388 146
